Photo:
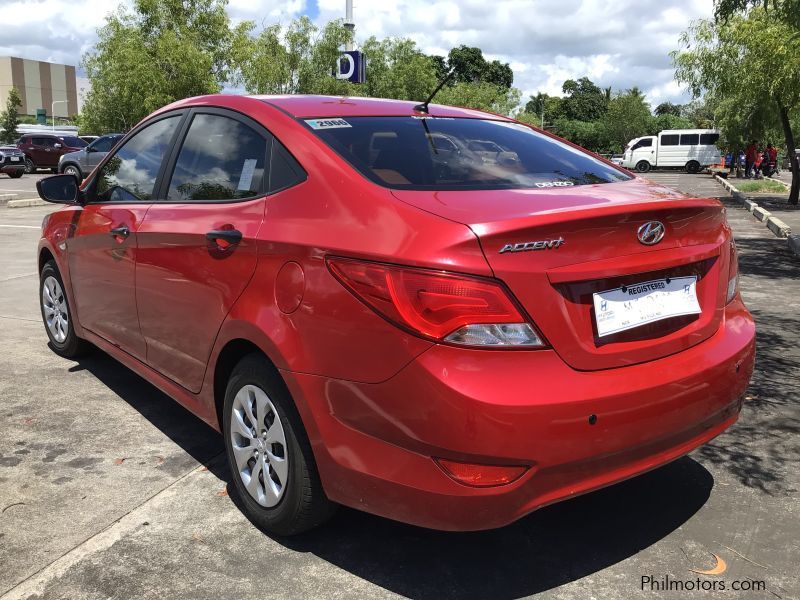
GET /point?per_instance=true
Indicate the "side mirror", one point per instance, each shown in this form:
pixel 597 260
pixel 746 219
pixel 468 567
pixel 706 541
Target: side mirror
pixel 59 189
pixel 90 148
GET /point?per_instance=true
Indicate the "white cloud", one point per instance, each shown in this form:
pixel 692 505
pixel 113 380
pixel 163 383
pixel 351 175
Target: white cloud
pixel 617 43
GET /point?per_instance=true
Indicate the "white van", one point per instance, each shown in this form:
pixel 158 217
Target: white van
pixel 692 149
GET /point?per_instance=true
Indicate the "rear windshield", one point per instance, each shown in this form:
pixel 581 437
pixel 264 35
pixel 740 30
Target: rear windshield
pixel 451 154
pixel 74 142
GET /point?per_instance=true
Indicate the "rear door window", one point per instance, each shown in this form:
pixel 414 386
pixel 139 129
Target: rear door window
pixel 459 154
pixel 221 159
pixel 130 174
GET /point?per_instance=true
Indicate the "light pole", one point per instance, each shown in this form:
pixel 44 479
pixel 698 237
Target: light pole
pixel 54 111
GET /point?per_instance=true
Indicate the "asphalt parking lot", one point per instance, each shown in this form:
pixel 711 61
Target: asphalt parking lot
pixel 24 187
pixel 108 489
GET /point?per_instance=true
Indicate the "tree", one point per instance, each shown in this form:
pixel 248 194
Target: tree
pixel 787 10
pixel 299 59
pixel 470 66
pixel 481 96
pixel 396 68
pixel 751 62
pixel 544 106
pixel 9 118
pixel 584 101
pixel 155 53
pixel 628 116
pixel 668 108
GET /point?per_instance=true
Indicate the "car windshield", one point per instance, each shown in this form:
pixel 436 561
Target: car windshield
pixel 429 153
pixel 74 142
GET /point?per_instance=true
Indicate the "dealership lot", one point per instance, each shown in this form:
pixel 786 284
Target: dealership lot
pixel 24 187
pixel 108 489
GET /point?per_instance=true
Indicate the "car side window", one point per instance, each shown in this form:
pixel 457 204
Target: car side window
pixel 220 159
pixel 103 144
pixel 284 170
pixel 130 174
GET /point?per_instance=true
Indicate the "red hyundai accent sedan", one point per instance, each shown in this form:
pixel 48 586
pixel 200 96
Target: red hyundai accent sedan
pixel 441 316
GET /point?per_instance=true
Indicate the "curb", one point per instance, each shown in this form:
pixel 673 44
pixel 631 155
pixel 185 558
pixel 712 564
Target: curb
pixel 778 228
pixel 794 244
pixel 26 202
pixel 5 198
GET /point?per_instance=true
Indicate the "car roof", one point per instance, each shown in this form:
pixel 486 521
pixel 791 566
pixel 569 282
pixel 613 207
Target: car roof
pixel 308 106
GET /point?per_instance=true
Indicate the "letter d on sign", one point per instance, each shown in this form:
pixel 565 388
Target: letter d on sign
pixel 347 73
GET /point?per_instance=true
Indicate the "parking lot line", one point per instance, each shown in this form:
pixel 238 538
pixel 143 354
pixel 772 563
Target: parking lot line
pixel 22 226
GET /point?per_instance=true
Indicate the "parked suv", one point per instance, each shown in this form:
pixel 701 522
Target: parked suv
pixel 12 161
pixel 42 150
pixel 82 162
pixel 452 349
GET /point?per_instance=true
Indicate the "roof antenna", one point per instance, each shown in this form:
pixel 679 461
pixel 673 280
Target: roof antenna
pixel 424 106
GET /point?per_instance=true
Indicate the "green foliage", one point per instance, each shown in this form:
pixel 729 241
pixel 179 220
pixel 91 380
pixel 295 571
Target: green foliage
pixel 584 101
pixel 748 66
pixel 396 68
pixel 668 108
pixel 9 118
pixel 668 121
pixel 547 107
pixel 786 10
pixel 762 185
pixel 481 96
pixel 297 60
pixel 160 52
pixel 470 66
pixel 627 117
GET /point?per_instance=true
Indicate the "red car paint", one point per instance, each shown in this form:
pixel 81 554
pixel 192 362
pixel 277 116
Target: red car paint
pixel 380 403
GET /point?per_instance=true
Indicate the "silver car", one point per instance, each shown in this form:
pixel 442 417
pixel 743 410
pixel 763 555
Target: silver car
pixel 81 163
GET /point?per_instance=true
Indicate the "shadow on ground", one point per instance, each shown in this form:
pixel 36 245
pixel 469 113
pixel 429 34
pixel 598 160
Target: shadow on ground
pixel 553 546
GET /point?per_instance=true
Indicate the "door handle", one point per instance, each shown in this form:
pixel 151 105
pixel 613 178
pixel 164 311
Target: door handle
pixel 121 231
pixel 229 237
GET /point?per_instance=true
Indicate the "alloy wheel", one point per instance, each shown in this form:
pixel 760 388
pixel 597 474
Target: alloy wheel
pixel 55 309
pixel 259 445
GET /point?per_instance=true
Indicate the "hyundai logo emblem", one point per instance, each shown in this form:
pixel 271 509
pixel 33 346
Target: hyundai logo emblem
pixel 651 233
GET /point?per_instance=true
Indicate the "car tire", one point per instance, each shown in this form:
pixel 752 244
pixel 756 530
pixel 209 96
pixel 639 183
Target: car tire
pixel 57 315
pixel 643 166
pixel 73 170
pixel 265 438
pixel 15 174
pixel 30 167
pixel 693 167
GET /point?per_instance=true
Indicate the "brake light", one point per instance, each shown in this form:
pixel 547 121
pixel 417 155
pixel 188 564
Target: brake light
pixel 480 475
pixel 733 274
pixel 442 306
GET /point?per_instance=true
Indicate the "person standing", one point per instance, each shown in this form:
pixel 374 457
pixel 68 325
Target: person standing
pixel 750 158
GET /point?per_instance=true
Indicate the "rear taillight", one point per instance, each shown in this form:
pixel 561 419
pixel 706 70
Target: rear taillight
pixel 733 274
pixel 441 306
pixel 481 475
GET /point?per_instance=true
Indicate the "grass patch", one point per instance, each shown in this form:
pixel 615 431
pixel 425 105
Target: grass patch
pixel 761 185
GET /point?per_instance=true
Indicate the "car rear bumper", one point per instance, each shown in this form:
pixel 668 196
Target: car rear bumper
pixel 374 443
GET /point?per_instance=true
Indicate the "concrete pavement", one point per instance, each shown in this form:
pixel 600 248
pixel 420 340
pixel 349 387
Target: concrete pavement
pixel 108 489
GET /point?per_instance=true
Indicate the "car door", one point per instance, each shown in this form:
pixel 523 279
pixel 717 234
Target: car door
pixel 102 250
pixel 197 247
pixel 39 151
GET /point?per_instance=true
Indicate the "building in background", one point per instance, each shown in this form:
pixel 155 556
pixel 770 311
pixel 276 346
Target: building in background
pixel 40 85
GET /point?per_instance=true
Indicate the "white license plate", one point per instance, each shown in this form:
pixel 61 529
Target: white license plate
pixel 15 159
pixel 641 303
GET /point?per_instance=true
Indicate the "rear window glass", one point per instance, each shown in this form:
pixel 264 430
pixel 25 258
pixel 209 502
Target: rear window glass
pixel 451 154
pixel 74 142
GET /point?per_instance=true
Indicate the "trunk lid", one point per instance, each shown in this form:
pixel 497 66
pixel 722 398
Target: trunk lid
pixel 570 243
